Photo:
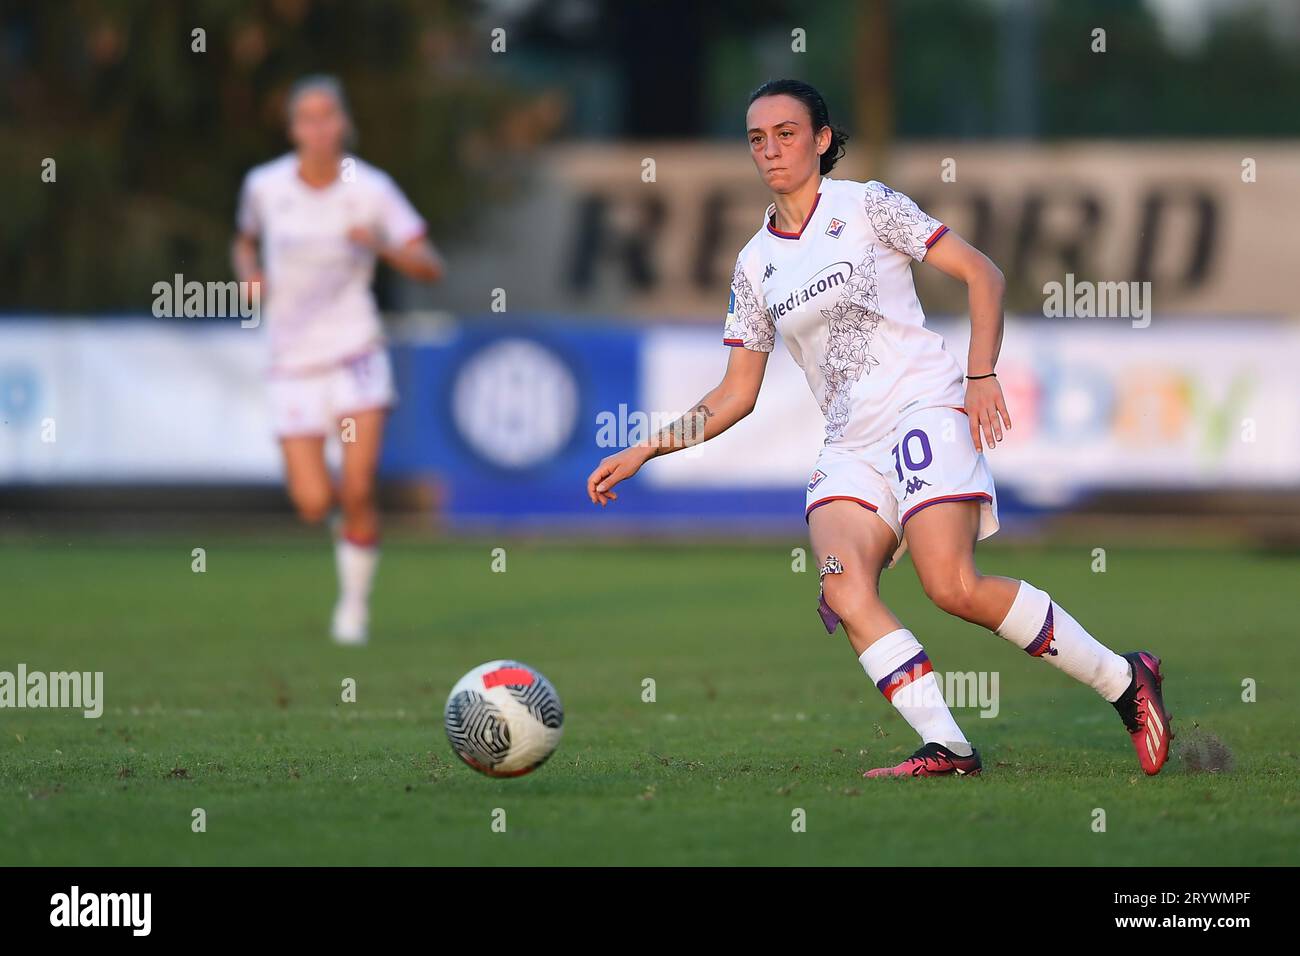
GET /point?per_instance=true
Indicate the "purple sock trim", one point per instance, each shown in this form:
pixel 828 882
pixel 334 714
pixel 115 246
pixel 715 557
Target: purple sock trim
pixel 1042 644
pixel 916 668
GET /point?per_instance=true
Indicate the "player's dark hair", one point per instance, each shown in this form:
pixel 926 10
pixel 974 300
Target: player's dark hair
pixel 821 117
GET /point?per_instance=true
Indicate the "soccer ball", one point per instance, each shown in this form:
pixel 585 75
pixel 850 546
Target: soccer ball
pixel 504 719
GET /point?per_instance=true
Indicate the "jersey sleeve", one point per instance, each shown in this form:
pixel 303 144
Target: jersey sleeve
pixel 899 223
pixel 247 218
pixel 748 323
pixel 397 217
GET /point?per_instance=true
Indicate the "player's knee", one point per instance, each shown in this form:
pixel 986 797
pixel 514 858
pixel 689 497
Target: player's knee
pixel 951 594
pixel 313 506
pixel 850 596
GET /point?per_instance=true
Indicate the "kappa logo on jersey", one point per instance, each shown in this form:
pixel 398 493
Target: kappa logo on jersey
pixel 832 277
pixel 835 228
pixel 767 273
pixel 915 484
pixel 817 478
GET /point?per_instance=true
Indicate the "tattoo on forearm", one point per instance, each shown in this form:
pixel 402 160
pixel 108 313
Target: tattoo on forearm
pixel 687 430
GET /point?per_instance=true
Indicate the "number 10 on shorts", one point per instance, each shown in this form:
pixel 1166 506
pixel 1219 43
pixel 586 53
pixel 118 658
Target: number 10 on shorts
pixel 905 452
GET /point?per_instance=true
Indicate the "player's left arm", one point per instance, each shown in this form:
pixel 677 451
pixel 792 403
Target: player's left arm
pixel 985 285
pixel 416 258
pixel 400 237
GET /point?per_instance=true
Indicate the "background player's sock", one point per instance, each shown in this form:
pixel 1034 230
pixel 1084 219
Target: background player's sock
pixel 902 672
pixel 356 562
pixel 1042 628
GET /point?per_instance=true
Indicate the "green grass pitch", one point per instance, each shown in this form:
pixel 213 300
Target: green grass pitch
pixel 223 693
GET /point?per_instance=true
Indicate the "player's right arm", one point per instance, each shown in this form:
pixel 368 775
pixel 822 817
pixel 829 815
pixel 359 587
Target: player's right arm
pixel 244 257
pixel 728 403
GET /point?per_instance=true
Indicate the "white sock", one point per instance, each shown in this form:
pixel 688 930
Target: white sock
pixel 898 665
pixel 356 569
pixel 1042 628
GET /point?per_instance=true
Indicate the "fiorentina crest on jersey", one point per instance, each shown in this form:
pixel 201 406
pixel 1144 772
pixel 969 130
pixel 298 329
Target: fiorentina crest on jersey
pixel 835 228
pixel 817 478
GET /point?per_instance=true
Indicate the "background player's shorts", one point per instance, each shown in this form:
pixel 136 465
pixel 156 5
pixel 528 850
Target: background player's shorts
pixel 928 458
pixel 313 403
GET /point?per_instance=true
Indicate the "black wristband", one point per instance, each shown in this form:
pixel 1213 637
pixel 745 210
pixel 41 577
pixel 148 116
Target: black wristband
pixel 975 378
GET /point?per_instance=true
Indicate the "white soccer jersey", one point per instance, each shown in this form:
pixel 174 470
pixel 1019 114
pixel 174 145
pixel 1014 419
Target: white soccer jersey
pixel 840 292
pixel 317 303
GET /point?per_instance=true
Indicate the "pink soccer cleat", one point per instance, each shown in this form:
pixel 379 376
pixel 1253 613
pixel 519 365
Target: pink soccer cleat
pixel 932 760
pixel 1142 707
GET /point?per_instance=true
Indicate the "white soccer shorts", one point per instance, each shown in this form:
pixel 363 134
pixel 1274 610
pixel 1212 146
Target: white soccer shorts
pixel 313 403
pixel 926 459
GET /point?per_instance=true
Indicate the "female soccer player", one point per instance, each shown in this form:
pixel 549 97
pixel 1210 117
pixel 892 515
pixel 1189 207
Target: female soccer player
pixel 319 219
pixel 902 465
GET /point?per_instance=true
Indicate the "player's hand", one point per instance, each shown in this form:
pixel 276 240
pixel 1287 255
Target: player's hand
pixel 614 469
pixel 987 411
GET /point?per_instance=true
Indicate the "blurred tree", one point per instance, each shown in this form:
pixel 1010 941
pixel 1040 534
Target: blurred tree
pixel 152 139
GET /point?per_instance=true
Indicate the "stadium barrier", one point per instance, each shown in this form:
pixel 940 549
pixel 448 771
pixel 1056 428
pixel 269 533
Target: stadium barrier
pixel 511 417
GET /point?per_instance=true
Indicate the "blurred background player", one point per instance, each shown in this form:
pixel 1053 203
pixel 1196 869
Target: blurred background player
pixel 902 465
pixel 310 227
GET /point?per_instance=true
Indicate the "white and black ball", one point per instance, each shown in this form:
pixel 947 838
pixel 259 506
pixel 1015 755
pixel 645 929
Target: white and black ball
pixel 504 719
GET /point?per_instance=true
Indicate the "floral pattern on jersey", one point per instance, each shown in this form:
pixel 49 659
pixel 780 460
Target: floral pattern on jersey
pixel 898 222
pixel 748 321
pixel 852 325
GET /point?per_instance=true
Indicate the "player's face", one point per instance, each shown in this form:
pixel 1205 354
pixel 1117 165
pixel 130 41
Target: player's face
pixel 318 125
pixel 782 142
